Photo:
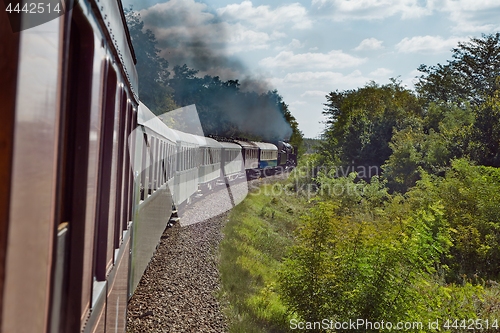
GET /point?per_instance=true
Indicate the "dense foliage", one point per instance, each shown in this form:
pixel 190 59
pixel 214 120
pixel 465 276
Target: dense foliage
pixel 417 241
pixel 360 122
pixel 420 240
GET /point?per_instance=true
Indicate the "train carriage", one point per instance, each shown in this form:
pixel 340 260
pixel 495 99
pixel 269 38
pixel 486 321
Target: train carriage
pixel 186 171
pixel 231 161
pixel 88 175
pixel 250 152
pixel 69 95
pixel 268 155
pixel 210 162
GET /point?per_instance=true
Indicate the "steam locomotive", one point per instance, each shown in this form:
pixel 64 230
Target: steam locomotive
pixel 88 177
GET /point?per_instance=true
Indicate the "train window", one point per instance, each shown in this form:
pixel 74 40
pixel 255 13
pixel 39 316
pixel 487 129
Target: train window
pixel 183 167
pixel 144 178
pixel 120 188
pixel 164 162
pixel 158 164
pixel 185 159
pixel 104 176
pixel 151 165
pixel 181 159
pixel 74 172
pixel 154 164
pixel 128 176
pixel 170 161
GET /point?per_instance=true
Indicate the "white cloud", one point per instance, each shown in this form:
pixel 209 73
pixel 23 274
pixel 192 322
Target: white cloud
pixel 183 26
pixel 294 44
pixel 314 93
pixel 373 9
pixel 294 15
pixel 332 59
pixel 427 44
pixel 175 12
pixel 317 80
pixel 382 72
pixel 473 15
pixel 412 78
pixel 369 44
pixel 240 39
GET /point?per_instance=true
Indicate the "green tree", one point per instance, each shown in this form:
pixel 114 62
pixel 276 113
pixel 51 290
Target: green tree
pixel 152 69
pixel 470 196
pixel 356 266
pixel 429 144
pixel 472 75
pixel 360 123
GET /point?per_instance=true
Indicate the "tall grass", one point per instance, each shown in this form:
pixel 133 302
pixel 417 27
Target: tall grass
pixel 256 239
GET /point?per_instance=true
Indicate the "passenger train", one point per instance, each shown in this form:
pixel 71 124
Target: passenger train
pixel 88 176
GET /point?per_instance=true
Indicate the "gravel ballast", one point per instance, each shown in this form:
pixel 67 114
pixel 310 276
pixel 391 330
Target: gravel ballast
pixel 178 292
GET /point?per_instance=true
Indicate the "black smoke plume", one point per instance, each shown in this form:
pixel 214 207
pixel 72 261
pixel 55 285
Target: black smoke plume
pixel 230 101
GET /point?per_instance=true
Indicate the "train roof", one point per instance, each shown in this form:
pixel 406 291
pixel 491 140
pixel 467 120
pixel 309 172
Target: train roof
pixel 246 144
pixel 266 146
pixel 118 34
pixel 149 120
pixel 207 142
pixel 229 145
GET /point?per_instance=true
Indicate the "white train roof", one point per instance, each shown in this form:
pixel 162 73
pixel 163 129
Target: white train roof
pixel 246 144
pixel 266 146
pixel 229 145
pixel 207 142
pixel 149 120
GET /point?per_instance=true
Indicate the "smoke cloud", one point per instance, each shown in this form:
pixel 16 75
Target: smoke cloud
pixel 190 33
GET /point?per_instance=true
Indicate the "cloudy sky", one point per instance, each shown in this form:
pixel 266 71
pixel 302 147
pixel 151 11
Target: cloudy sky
pixel 305 49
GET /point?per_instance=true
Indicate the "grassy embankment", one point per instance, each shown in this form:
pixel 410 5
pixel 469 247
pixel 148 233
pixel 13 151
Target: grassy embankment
pixel 257 237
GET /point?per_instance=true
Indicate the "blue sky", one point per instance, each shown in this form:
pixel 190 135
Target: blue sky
pixel 305 49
